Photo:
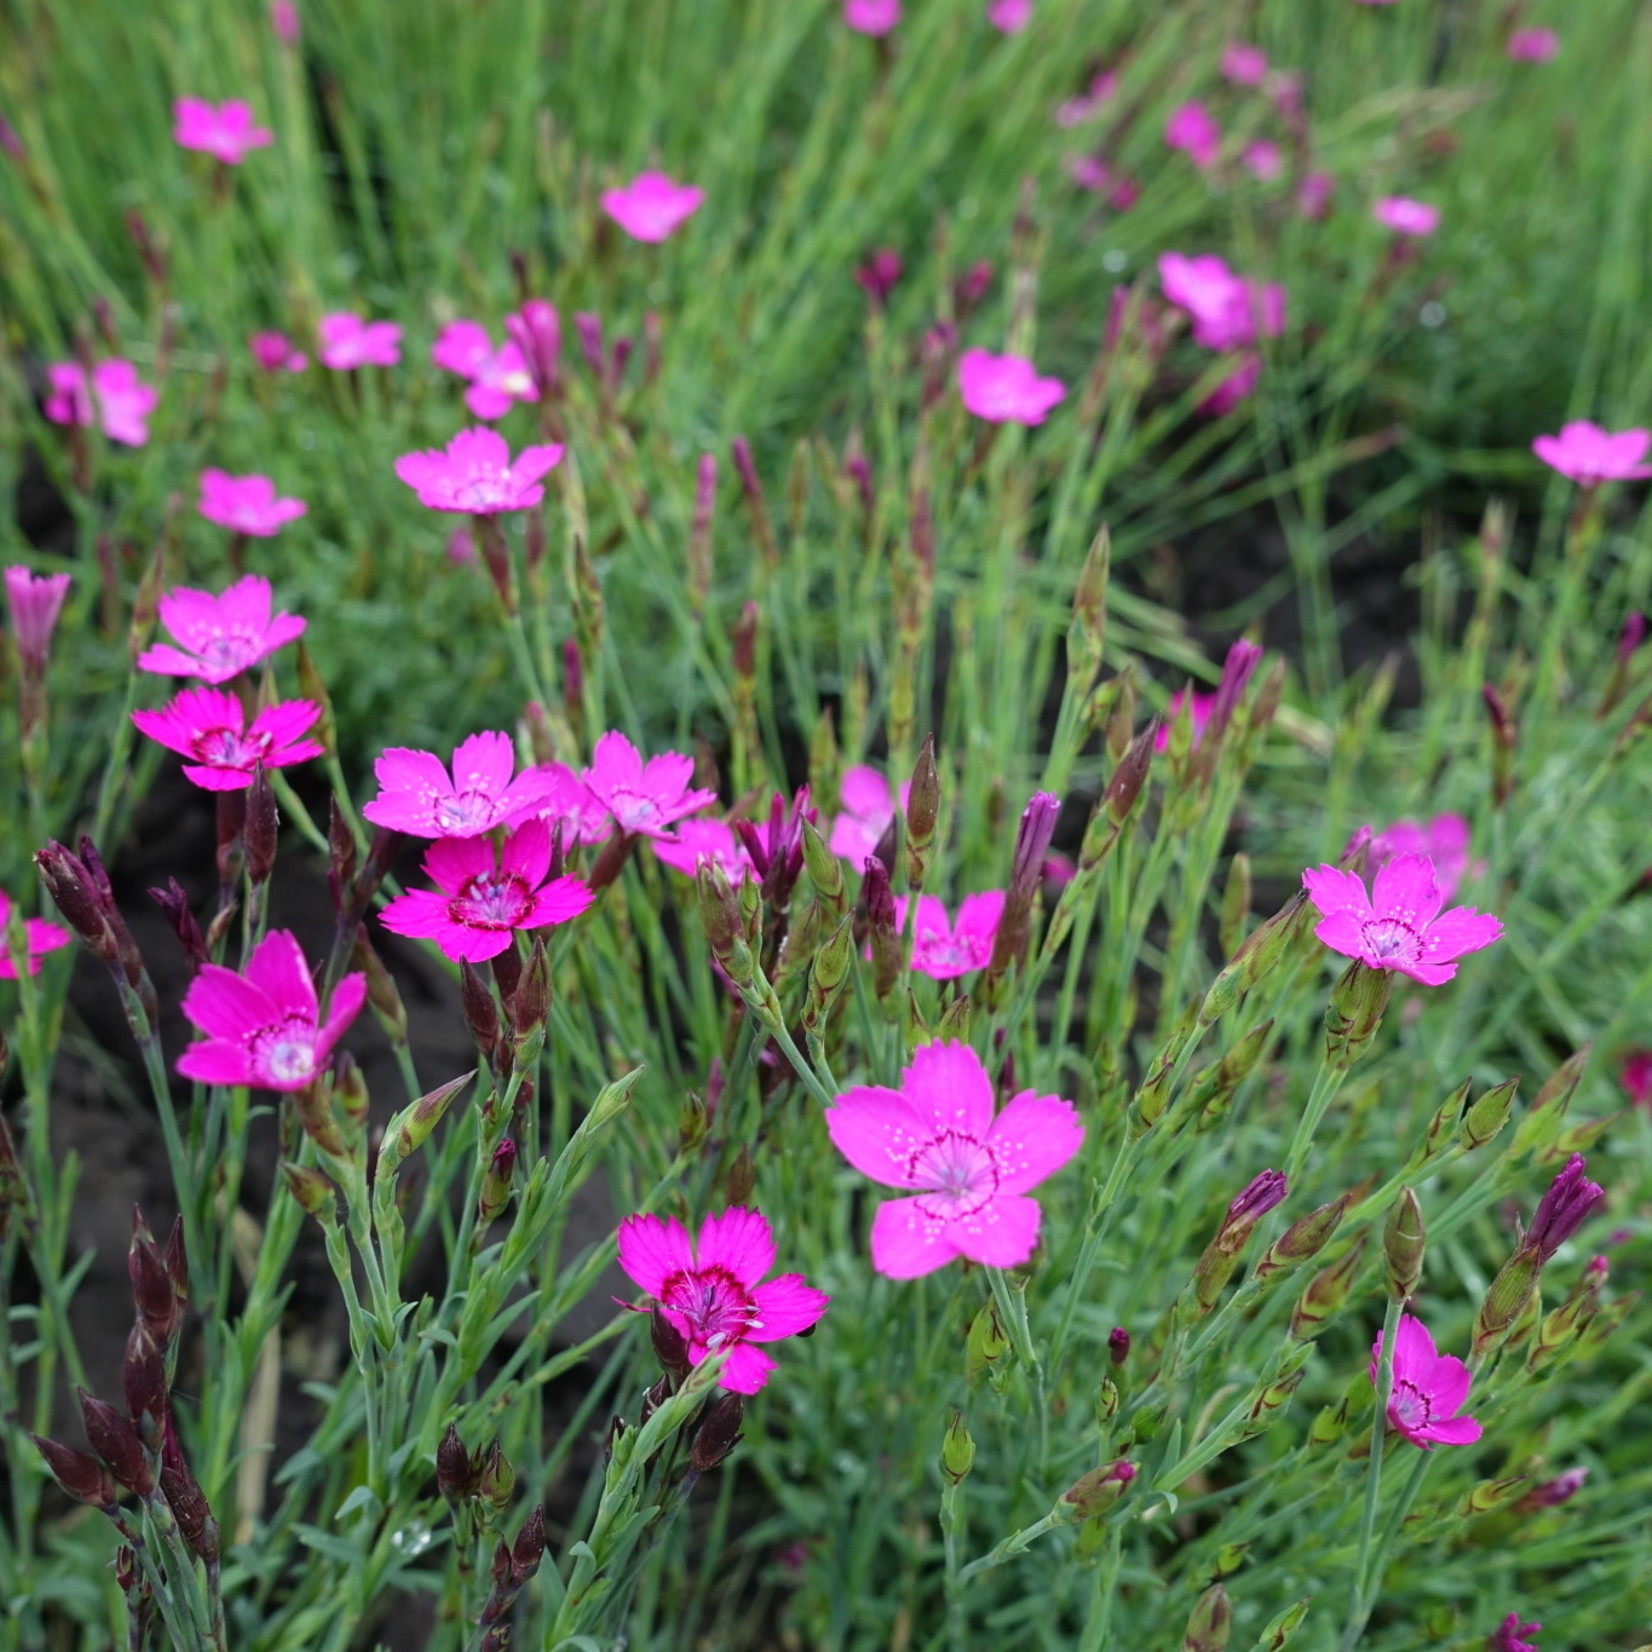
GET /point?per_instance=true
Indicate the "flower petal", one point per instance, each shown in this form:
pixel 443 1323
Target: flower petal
pixel 878 1132
pixel 421 913
pixel 216 1061
pixel 1406 888
pixel 652 1249
pixel 1002 1234
pixel 484 762
pixel 1332 890
pixel 786 1306
pixel 222 1003
pixel 908 1242
pixel 1342 932
pixel 277 966
pixel 746 1369
pixel 1460 930
pixel 1452 1431
pixel 450 862
pixel 344 1006
pixel 1033 1138
pixel 947 1085
pixel 738 1240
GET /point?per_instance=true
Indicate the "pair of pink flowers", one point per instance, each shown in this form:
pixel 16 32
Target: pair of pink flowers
pixel 117 400
pixel 1229 314
pixel 216 638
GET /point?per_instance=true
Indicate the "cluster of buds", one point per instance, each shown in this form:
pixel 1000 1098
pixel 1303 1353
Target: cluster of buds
pixel 79 886
pixel 1569 1202
pixel 513 1566
pixel 478 1484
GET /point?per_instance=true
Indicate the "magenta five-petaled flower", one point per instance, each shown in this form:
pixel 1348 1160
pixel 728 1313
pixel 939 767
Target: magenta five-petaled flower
pixel 498 377
pixel 224 130
pixel 872 17
pixel 1405 216
pixel 418 796
pixel 1191 128
pixel 483 902
pixel 713 840
pixel 969 1173
pixel 644 799
pixel 1399 925
pixel 119 401
pixel 219 636
pixel 208 725
pixel 246 504
pixel 1510 1635
pixel 1590 455
pixel 39 938
pixel 652 206
pixel 1244 65
pixel 944 950
pixel 474 474
pixel 345 342
pixel 714 1292
pixel 264 1028
pixel 33 602
pixel 1006 389
pixel 1533 45
pixel 1429 1391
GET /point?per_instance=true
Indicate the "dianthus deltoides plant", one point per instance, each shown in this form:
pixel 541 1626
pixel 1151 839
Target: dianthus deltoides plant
pixel 990 1123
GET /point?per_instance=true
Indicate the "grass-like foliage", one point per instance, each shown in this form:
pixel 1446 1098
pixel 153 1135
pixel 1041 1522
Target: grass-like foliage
pixel 976 656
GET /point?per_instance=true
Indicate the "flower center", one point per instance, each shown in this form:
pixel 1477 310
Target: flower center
pixel 286 1051
pixel 959 1169
pixel 485 489
pixel 1408 1405
pixel 1392 938
pixel 492 901
pixel 464 812
pixel 227 650
pixel 718 1308
pixel 633 810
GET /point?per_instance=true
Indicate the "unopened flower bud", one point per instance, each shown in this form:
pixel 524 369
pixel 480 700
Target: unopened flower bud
pixel 115 1441
pixel 669 1344
pixel 1548 1110
pixel 1304 1238
pixel 1277 1632
pixel 411 1127
pixel 313 1191
pixel 530 1006
pixel 1504 732
pixel 1236 897
pixel 1355 1012
pixel 1260 1195
pixel 1568 1204
pixel 1550 1494
pixel 1329 1425
pixel 1326 1294
pixel 175 904
pixel 83 1477
pixel 957 1450
pixel 724 925
pixel 752 488
pixel 1118 1345
pixel 741 1178
pixel 1130 776
pixel 1487 1114
pixel 457 1476
pixel 718 1434
pixel 143 1382
pixel 152 1293
pixel 879 901
pixel 1032 845
pixel 480 1011
pixel 1403 1241
pixel 986 1344
pixel 1510 1294
pixel 497 1481
pixel 262 829
pixel 1210 1623
pixel 496 1182
pixel 529 1548
pixel 1096 1492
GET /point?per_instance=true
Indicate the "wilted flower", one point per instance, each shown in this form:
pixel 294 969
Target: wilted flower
pixel 1006 389
pixel 33 602
pixel 264 1028
pixel 652 206
pixel 39 938
pixel 1405 216
pixel 692 840
pixel 417 795
pixel 497 377
pixel 208 725
pixel 1568 1204
pixel 1509 1635
pixel 346 342
pixel 1590 455
pixel 276 353
pixel 1562 1489
pixel 224 130
pixel 873 17
pixel 1244 65
pixel 943 950
pixel 1533 45
pixel 970 1172
pixel 1429 1389
pixel 120 402
pixel 483 902
pixel 219 636
pixel 1191 128
pixel 246 504
pixel 284 20
pixel 878 275
pixel 1399 925
pixel 474 474
pixel 646 799
pixel 713 1291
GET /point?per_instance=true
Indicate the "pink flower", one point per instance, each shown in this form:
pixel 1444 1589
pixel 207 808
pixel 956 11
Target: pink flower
pixel 497 377
pixel 713 1291
pixel 1636 1075
pixel 970 1172
pixel 1192 129
pixel 39 938
pixel 537 335
pixel 1228 311
pixel 1400 925
pixel 246 504
pixel 276 353
pixel 1244 65
pixel 567 801
pixel 1533 45
pixel 1234 388
pixel 1006 389
pixel 209 726
pixel 264 1028
pixel 1429 1389
pixel 868 807
pixel 1405 216
pixel 874 17
pixel 1313 194
pixel 474 474
pixel 1590 455
pixel 33 602
pixel 418 796
pixel 944 950
pixel 482 904
pixel 1198 716
pixel 1444 839
pixel 1262 159
pixel 284 20
pixel 120 401
pixel 223 130
pixel 645 800
pixel 652 206
pixel 1009 16
pixel 712 840
pixel 1075 111
pixel 347 342
pixel 219 637
pixel 1507 1637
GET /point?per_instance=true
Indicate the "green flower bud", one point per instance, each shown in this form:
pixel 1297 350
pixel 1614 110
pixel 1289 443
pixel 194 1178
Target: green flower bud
pixel 1280 1629
pixel 1403 1241
pixel 1487 1114
pixel 1210 1623
pixel 1548 1111
pixel 957 1450
pixel 986 1344
pixel 1511 1290
pixel 1326 1294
